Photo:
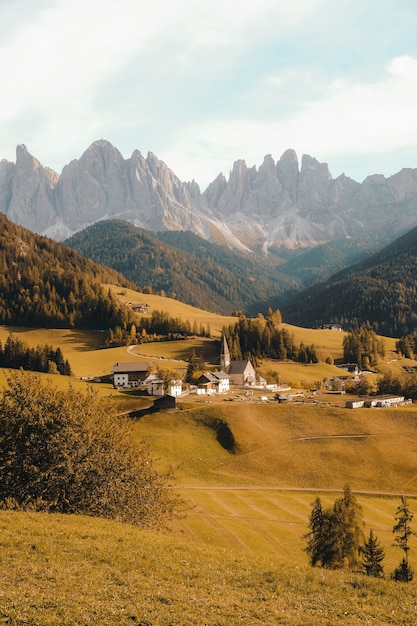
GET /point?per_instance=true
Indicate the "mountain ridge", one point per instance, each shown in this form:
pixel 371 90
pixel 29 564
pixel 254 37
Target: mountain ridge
pixel 380 291
pixel 280 205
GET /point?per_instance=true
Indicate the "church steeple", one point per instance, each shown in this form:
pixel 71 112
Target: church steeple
pixel 224 355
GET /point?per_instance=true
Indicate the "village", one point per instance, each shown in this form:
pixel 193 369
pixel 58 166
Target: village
pixel 240 376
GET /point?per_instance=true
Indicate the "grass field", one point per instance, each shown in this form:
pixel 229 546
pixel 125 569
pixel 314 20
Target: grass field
pixel 236 554
pixel 73 571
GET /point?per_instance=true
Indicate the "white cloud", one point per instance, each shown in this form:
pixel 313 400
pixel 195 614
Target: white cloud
pixel 173 77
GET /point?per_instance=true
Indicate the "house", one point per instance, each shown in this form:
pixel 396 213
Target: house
pixel 142 307
pixel 156 386
pixel 240 372
pixel 165 403
pixel 213 382
pixel 352 368
pixel 129 374
pixel 337 327
pixel 336 384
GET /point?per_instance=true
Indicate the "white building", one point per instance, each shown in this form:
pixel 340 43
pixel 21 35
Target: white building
pixel 155 386
pixel 129 374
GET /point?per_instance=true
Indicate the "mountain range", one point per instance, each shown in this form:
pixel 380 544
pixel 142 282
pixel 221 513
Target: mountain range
pixel 277 207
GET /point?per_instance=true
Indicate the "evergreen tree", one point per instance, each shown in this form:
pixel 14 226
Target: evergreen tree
pixel 335 534
pixel 372 555
pixel 319 548
pixel 402 528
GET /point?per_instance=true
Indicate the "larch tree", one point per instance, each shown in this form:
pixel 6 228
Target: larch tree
pixel 403 532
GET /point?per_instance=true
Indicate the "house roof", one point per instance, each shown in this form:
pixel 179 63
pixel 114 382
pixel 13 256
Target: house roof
pixel 212 377
pixel 239 367
pixel 122 368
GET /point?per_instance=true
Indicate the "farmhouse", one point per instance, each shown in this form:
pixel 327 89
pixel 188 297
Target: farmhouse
pixel 213 382
pixel 142 307
pixel 337 327
pixel 156 386
pixel 129 374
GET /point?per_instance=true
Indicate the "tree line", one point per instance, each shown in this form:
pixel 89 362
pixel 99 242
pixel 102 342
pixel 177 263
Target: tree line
pixel 364 347
pixel 336 539
pixel 159 326
pixel 266 337
pixel 16 354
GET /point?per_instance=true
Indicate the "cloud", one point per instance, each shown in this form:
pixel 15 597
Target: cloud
pixel 340 117
pixel 203 84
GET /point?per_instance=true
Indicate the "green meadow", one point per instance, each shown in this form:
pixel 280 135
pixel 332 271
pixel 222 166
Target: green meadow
pixel 235 553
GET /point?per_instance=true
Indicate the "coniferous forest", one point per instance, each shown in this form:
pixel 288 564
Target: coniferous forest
pixel 380 292
pixel 185 267
pixel 44 283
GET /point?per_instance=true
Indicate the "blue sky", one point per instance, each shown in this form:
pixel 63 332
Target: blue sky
pixel 202 84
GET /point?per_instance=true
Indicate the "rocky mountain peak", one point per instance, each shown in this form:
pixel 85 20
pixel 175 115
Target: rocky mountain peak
pixel 278 204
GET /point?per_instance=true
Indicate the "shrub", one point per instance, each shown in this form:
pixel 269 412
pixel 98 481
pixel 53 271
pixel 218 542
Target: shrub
pixel 69 452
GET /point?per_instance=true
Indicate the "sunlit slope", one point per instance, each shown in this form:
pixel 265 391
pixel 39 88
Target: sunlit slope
pixel 293 445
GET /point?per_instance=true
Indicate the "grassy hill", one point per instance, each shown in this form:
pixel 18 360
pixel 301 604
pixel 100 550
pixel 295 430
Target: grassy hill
pixel 236 554
pixel 71 571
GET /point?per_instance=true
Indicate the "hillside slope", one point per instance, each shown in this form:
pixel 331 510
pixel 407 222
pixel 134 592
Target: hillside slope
pixel 44 283
pixel 381 291
pixel 184 266
pixel 68 571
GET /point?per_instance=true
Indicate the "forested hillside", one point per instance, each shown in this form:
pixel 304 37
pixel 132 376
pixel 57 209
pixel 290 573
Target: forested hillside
pixel 186 267
pixel 44 283
pixel 380 292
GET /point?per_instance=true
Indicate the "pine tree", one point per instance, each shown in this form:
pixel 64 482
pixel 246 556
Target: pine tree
pixel 372 554
pixel 335 534
pixel 319 547
pixel 404 517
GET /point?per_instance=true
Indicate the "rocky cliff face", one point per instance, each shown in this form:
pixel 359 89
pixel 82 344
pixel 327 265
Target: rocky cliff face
pixel 279 204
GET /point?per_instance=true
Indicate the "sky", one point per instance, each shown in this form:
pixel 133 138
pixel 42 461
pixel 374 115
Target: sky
pixel 203 83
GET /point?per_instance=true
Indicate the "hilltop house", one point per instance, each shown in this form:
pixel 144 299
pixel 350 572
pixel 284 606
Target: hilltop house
pixel 129 374
pixel 240 372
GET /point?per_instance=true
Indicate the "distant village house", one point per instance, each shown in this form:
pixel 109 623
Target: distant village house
pixel 129 374
pixel 156 386
pixel 213 383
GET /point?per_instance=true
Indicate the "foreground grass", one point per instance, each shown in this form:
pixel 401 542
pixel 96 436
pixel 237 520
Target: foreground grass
pixel 71 570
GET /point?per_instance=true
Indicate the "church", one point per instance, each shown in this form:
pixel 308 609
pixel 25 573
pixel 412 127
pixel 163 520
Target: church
pixel 240 372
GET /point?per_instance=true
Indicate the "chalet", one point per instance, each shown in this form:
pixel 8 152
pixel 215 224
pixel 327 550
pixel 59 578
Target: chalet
pixel 142 307
pixel 129 374
pixel 156 386
pixel 213 382
pixel 336 327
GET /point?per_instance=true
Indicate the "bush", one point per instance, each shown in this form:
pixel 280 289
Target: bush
pixel 68 452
